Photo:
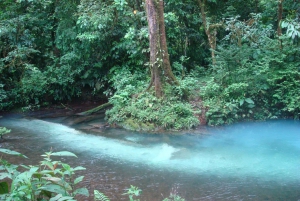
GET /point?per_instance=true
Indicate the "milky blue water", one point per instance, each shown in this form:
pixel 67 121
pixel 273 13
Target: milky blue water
pixel 245 161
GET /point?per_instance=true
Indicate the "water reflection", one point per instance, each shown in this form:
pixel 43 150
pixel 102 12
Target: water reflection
pixel 246 161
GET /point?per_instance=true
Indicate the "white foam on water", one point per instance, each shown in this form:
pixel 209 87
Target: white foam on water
pixel 268 151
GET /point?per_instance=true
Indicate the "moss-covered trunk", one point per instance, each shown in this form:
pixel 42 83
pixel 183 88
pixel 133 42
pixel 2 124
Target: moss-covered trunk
pixel 159 57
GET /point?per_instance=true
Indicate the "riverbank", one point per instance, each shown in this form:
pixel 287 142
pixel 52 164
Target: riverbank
pixel 70 114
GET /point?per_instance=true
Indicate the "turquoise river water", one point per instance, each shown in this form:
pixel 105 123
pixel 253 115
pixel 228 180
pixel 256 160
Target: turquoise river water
pixel 244 161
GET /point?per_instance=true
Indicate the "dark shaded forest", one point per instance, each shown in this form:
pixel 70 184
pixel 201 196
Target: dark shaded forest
pixel 170 65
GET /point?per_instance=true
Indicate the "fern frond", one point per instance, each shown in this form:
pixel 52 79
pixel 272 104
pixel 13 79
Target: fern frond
pixel 98 196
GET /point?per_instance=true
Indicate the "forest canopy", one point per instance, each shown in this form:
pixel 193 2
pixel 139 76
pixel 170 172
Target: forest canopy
pixel 162 64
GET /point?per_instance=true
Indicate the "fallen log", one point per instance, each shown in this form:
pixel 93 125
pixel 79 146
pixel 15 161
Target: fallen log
pixel 94 110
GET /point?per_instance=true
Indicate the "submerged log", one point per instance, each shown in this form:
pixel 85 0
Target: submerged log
pixel 94 110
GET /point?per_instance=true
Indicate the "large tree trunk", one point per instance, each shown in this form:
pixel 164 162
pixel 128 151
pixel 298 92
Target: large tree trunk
pixel 159 57
pixel 170 78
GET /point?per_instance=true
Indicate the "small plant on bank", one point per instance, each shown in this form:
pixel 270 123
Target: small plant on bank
pixel 51 180
pixel 98 196
pixel 3 131
pixel 132 192
pixel 174 197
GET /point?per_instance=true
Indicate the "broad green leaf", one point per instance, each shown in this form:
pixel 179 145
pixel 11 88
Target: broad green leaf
pixel 3 175
pixel 52 179
pixel 249 100
pixel 25 166
pixel 33 169
pixel 251 106
pixel 78 179
pixel 67 186
pixel 242 102
pixel 60 197
pixel 79 168
pixel 10 152
pixel 63 153
pixel 60 182
pixel 56 197
pixel 81 191
pixel 284 24
pixel 23 177
pixel 66 166
pixel 53 188
pixel 48 164
pixel 45 172
pixel 3 188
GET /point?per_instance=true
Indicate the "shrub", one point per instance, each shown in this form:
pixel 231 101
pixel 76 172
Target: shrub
pixel 254 77
pixel 136 110
pixel 3 131
pixel 52 180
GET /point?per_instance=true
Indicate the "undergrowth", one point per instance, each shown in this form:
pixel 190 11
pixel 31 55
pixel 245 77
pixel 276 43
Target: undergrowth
pixel 135 109
pixel 255 79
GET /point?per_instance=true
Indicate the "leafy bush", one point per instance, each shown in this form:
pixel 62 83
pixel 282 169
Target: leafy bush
pixel 136 110
pixel 253 78
pixel 285 90
pixel 133 191
pixel 147 113
pixel 3 131
pixel 52 180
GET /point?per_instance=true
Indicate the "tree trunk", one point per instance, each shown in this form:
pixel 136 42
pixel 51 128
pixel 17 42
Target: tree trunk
pixel 279 29
pixel 170 78
pixel 279 13
pixel 210 30
pixel 159 57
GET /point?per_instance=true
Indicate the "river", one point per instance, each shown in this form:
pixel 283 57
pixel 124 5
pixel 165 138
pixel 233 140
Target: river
pixel 244 161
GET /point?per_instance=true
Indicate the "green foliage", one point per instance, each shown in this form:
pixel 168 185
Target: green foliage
pixel 143 111
pixel 173 197
pixel 285 87
pixel 2 93
pixel 19 42
pixel 3 131
pixel 133 192
pixel 55 51
pixel 42 60
pixel 292 28
pixel 3 96
pixel 183 35
pixel 52 180
pixel 100 196
pixel 10 152
pixel 253 78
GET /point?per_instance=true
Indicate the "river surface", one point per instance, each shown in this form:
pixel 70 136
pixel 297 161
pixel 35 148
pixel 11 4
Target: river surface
pixel 245 161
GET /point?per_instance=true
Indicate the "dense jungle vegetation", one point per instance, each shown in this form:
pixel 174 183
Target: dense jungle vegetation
pixel 161 64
